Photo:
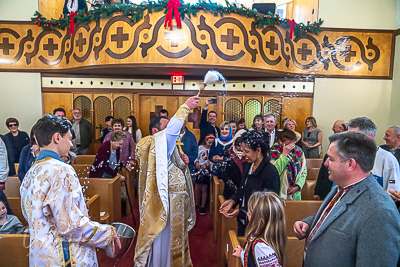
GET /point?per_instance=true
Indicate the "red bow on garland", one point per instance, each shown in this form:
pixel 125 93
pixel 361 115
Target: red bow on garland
pixel 292 24
pixel 172 7
pixel 72 15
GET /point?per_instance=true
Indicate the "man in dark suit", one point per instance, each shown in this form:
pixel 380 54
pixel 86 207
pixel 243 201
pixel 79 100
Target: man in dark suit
pixel 392 139
pixel 207 125
pixel 358 223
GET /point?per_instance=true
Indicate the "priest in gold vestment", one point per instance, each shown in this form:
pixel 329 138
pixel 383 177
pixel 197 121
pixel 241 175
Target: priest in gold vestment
pixel 166 202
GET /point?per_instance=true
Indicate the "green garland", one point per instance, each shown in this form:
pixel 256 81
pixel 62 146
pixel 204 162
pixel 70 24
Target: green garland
pixel 135 13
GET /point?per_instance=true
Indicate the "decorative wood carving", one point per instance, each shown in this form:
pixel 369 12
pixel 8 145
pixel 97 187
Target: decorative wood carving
pixel 227 42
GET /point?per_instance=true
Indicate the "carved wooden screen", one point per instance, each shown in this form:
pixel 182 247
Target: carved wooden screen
pixel 233 109
pixel 275 107
pixel 251 109
pixel 84 104
pixel 122 108
pixel 102 109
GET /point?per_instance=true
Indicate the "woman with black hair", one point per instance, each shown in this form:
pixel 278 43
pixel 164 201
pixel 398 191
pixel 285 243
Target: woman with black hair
pixel 258 175
pixel 258 124
pixel 133 129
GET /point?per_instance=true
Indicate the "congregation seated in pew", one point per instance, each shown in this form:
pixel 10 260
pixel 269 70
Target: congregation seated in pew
pixel 9 224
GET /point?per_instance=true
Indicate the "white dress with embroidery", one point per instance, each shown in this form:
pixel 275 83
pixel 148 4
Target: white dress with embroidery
pixel 55 208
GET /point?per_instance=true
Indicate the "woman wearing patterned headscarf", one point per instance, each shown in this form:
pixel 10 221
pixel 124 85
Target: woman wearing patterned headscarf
pixel 219 149
pixel 290 162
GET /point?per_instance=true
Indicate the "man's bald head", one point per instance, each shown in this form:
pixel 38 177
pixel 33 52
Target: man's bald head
pixel 339 126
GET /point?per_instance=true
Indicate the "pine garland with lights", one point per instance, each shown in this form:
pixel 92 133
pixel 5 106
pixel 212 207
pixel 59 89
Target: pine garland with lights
pixel 135 13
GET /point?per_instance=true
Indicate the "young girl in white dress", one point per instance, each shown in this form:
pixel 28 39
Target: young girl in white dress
pixel 265 233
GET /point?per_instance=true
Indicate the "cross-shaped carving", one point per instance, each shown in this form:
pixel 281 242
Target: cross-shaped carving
pixel 230 39
pixel 120 37
pixel 195 117
pixel 348 53
pixel 304 52
pixel 174 36
pixel 80 42
pixel 156 112
pixel 6 46
pixel 50 47
pixel 272 45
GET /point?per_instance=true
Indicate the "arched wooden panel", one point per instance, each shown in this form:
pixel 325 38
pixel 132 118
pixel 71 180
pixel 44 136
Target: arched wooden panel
pixel 84 104
pixel 102 109
pixel 275 107
pixel 233 109
pixel 122 108
pixel 251 109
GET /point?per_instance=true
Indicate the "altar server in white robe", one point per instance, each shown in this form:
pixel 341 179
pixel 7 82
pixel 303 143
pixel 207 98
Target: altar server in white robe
pixel 61 233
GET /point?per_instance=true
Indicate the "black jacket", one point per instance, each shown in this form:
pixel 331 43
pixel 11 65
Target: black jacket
pixel 206 128
pixel 85 129
pixel 396 153
pixel 265 177
pixel 233 175
pixel 323 185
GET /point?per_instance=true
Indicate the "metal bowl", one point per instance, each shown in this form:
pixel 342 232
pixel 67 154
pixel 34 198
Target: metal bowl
pixel 126 235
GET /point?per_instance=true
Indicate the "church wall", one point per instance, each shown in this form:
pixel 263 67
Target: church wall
pixel 18 9
pixel 348 98
pixel 395 94
pixel 21 98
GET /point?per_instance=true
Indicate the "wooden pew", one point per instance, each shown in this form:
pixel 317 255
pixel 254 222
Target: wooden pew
pixel 109 190
pixel 297 210
pixel 12 186
pixel 218 190
pixel 15 205
pixel 307 192
pixel 314 163
pixel 85 159
pixel 294 250
pixel 93 205
pixel 16 165
pixel 14 250
pixel 312 173
pixel 82 170
pixel 223 235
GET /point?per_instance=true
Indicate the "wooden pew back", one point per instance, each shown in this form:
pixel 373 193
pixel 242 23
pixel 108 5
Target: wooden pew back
pixel 307 192
pixel 218 190
pixel 294 250
pixel 85 159
pixel 298 210
pixel 82 170
pixel 109 190
pixel 14 250
pixel 223 235
pixel 312 173
pixel 93 205
pixel 15 205
pixel 12 186
pixel 314 163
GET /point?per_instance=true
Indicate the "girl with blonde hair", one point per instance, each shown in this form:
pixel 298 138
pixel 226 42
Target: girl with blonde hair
pixel 265 233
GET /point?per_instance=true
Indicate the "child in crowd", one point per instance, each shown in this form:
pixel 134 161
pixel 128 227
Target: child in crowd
pixel 9 224
pixel 265 233
pixel 203 174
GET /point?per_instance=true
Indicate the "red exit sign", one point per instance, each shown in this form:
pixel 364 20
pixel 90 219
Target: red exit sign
pixel 177 79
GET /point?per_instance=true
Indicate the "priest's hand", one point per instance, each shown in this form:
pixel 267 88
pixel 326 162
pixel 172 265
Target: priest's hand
pixel 115 241
pixel 185 159
pixel 192 102
pixel 300 229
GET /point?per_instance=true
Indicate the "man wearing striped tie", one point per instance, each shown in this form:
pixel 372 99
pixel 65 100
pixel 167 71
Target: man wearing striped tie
pixel 358 223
